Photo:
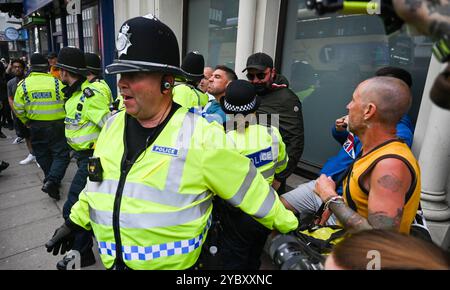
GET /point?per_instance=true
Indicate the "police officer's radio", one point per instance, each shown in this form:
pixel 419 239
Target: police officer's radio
pixel 95 169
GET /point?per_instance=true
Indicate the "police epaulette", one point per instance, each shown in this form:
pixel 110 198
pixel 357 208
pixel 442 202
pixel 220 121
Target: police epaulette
pixel 88 92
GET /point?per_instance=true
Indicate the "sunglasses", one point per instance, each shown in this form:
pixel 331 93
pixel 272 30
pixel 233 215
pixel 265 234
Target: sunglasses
pixel 260 76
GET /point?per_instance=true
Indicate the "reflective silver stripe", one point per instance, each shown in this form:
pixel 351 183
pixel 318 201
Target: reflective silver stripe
pixel 282 162
pixel 267 204
pixel 111 120
pixel 82 139
pixel 151 220
pixel 49 112
pixel 78 127
pixel 17 105
pixel 104 120
pixel 239 196
pixel 176 165
pixel 143 192
pixel 20 112
pixel 45 103
pixel 275 145
pixel 269 172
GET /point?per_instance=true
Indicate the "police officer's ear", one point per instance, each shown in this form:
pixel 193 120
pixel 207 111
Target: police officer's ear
pixel 166 84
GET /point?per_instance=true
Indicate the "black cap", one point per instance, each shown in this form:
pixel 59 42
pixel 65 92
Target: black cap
pixel 240 98
pixel 259 61
pixel 72 59
pixel 193 65
pixel 395 72
pixel 38 61
pixel 146 44
pixel 51 55
pixel 93 63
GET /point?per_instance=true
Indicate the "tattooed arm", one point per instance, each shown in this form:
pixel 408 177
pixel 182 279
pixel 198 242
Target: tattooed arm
pixel 352 221
pixel 387 184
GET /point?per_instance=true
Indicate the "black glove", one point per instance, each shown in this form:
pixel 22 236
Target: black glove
pixel 62 240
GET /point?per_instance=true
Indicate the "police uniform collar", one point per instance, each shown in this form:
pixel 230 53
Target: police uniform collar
pixel 75 87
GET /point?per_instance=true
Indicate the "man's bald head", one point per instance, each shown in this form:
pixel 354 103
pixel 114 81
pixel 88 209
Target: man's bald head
pixel 391 96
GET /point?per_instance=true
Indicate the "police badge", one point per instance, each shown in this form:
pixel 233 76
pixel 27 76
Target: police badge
pixel 123 40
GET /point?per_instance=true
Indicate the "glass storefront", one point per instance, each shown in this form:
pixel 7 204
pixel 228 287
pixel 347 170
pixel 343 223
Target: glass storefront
pixel 333 53
pixel 90 30
pixel 212 30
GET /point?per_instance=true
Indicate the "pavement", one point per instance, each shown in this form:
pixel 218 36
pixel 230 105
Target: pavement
pixel 29 217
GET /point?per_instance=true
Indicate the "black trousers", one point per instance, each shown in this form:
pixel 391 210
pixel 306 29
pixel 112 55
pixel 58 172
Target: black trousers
pixel 242 238
pixel 83 239
pixel 50 147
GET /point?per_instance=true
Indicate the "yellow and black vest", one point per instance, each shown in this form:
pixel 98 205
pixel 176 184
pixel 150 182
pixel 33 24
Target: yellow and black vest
pixel 356 196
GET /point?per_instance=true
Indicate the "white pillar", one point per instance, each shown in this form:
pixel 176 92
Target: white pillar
pixel 432 140
pixel 266 28
pixel 245 34
pixel 434 162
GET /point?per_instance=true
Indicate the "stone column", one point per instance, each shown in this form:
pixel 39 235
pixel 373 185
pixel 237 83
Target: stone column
pixel 245 35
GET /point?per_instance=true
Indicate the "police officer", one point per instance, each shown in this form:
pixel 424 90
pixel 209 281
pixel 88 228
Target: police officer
pixel 242 238
pixel 188 95
pixel 39 104
pixel 160 166
pixel 94 74
pixel 87 110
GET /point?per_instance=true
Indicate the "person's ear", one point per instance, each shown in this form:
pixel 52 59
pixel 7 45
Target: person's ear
pixel 273 72
pixel 370 110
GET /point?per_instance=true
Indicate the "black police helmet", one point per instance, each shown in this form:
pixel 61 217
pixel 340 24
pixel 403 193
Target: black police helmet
pixel 93 63
pixel 145 44
pixel 240 98
pixel 193 65
pixel 38 62
pixel 72 59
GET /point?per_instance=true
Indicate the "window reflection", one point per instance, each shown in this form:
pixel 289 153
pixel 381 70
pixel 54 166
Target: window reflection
pixel 212 30
pixel 326 57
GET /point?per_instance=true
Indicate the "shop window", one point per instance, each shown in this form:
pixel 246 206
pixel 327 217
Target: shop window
pixel 212 30
pixel 334 53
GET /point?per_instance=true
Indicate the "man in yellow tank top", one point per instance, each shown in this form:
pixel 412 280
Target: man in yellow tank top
pixel 382 188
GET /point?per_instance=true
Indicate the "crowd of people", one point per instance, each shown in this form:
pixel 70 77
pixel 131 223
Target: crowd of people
pixel 200 159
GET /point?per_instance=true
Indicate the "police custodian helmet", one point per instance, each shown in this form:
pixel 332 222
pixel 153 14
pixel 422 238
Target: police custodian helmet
pixel 145 44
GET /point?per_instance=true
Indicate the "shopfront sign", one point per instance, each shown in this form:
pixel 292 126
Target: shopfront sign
pixel 33 20
pixel 11 33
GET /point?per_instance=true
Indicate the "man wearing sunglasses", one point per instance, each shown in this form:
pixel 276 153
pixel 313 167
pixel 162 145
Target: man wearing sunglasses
pixel 276 98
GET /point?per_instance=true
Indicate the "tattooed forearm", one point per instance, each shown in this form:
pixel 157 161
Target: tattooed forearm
pixel 390 182
pixel 380 220
pixel 351 220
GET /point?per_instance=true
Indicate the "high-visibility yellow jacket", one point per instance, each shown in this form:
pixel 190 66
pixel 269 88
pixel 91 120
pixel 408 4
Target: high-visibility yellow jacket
pixel 87 111
pixel 265 148
pixel 39 97
pixel 156 214
pixel 101 86
pixel 188 96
